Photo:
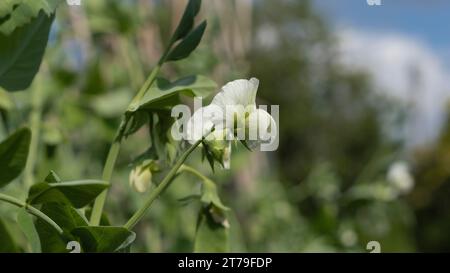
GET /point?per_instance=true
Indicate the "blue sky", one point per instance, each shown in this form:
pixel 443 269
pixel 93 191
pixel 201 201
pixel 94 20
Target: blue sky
pixel 426 20
pixel 387 41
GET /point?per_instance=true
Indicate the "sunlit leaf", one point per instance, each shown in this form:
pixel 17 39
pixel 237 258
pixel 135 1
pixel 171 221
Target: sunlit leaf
pixel 162 89
pixel 16 13
pixel 77 193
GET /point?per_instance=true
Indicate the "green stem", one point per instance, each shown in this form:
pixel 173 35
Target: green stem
pixel 108 168
pixel 186 168
pixel 135 102
pixel 99 203
pixel 115 147
pixel 35 124
pixel 166 52
pixel 32 210
pixel 160 188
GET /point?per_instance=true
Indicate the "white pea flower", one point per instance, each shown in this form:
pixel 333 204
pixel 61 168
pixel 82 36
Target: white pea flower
pixel 237 100
pixel 400 177
pixel 234 116
pixel 141 176
pixel 203 121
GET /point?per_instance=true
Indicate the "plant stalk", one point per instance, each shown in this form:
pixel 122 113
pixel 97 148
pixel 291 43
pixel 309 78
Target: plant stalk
pixel 186 168
pixel 32 210
pixel 161 187
pixel 35 126
pixel 113 153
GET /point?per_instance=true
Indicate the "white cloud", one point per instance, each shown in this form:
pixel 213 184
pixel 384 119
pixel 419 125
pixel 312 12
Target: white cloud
pixel 404 68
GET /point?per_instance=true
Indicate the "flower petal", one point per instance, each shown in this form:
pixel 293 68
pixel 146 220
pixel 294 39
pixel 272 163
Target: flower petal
pixel 238 92
pixel 202 122
pixel 261 127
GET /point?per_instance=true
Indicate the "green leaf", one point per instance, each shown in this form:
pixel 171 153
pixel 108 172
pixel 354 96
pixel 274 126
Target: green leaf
pixel 159 99
pixel 210 196
pixel 7 6
pixel 16 13
pixel 210 235
pixel 13 155
pixel 7 244
pixel 25 221
pixel 104 238
pixel 188 44
pixel 22 51
pixel 187 21
pixel 67 218
pixel 77 193
pixel 163 89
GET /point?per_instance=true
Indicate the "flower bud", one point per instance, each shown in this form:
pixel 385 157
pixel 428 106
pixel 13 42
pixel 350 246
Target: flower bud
pixel 141 177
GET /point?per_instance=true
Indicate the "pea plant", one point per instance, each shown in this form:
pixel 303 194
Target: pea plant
pixel 60 215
